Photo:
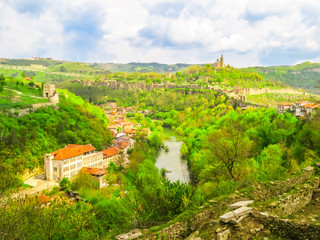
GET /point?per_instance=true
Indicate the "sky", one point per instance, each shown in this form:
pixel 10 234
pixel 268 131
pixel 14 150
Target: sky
pixel 246 32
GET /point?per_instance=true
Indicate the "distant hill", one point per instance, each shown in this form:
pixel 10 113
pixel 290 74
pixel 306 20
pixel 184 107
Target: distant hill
pixel 141 67
pixel 93 68
pixel 304 75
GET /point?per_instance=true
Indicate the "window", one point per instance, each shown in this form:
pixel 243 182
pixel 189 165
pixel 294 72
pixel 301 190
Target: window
pixel 72 167
pixel 55 169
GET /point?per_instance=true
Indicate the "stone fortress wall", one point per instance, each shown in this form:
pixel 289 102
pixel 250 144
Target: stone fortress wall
pixel 48 92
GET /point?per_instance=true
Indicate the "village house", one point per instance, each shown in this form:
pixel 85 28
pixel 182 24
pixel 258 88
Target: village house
pixel 131 133
pixel 98 173
pixel 111 105
pixel 114 129
pixel 111 155
pixel 119 117
pixel 123 146
pixel 283 107
pixel 298 109
pixel 121 134
pixel 68 161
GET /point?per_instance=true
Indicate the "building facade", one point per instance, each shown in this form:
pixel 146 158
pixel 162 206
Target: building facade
pixel 68 161
pixel 111 155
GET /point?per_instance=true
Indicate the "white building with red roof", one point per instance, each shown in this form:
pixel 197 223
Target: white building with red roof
pixel 68 161
pixel 110 155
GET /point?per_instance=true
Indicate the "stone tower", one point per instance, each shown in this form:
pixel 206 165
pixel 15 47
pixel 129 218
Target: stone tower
pixel 219 63
pixel 48 90
pixel 222 61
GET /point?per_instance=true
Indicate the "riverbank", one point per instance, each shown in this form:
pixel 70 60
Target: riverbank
pixel 176 167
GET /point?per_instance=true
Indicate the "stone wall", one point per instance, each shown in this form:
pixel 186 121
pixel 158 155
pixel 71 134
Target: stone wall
pixel 288 228
pixel 39 105
pixel 256 91
pixel 293 202
pixel 181 230
pixel 265 192
pixel 21 112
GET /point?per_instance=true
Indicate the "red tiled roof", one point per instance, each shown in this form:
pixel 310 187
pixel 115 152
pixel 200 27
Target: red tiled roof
pixel 94 171
pixel 123 145
pixel 72 150
pixel 131 131
pixel 110 152
pixel 116 148
pixel 311 105
pixel 284 104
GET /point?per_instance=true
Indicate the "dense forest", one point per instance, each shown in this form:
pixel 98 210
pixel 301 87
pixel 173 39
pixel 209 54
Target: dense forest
pixel 27 138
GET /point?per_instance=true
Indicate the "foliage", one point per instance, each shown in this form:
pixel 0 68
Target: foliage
pixel 49 129
pixel 25 219
pixel 84 180
pixel 64 184
pixel 292 75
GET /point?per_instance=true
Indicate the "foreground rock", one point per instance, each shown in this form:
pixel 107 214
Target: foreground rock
pixel 236 214
pixel 240 204
pixel 133 234
pixel 223 235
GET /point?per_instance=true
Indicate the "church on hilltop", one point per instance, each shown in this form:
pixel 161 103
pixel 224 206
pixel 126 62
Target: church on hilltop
pixel 219 63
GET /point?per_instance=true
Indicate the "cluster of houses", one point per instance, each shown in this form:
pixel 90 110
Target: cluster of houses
pixel 298 109
pixel 119 125
pixel 70 160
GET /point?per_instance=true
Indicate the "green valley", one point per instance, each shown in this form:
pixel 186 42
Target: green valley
pixel 237 146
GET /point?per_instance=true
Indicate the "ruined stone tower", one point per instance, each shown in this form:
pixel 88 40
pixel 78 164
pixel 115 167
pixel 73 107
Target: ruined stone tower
pixel 48 90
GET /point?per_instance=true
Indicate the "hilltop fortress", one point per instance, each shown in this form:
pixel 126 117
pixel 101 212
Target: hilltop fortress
pixel 219 63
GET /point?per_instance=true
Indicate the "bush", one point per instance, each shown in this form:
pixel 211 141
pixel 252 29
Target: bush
pixel 65 184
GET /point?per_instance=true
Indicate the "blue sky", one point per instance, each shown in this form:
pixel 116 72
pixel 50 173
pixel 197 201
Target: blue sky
pixel 247 32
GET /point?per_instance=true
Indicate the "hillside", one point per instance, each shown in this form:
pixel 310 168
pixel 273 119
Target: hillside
pixel 303 75
pixel 72 120
pixel 49 65
pixel 141 67
pixel 49 71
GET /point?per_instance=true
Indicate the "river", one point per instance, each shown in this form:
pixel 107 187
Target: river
pixel 176 166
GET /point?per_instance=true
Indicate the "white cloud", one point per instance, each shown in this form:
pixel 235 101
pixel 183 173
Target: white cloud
pixel 193 31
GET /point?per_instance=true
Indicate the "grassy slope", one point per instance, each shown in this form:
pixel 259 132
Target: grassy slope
pixel 303 75
pixel 10 99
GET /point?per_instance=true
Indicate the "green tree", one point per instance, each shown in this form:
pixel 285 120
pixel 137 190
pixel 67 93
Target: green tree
pixel 2 82
pixel 31 84
pixel 231 146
